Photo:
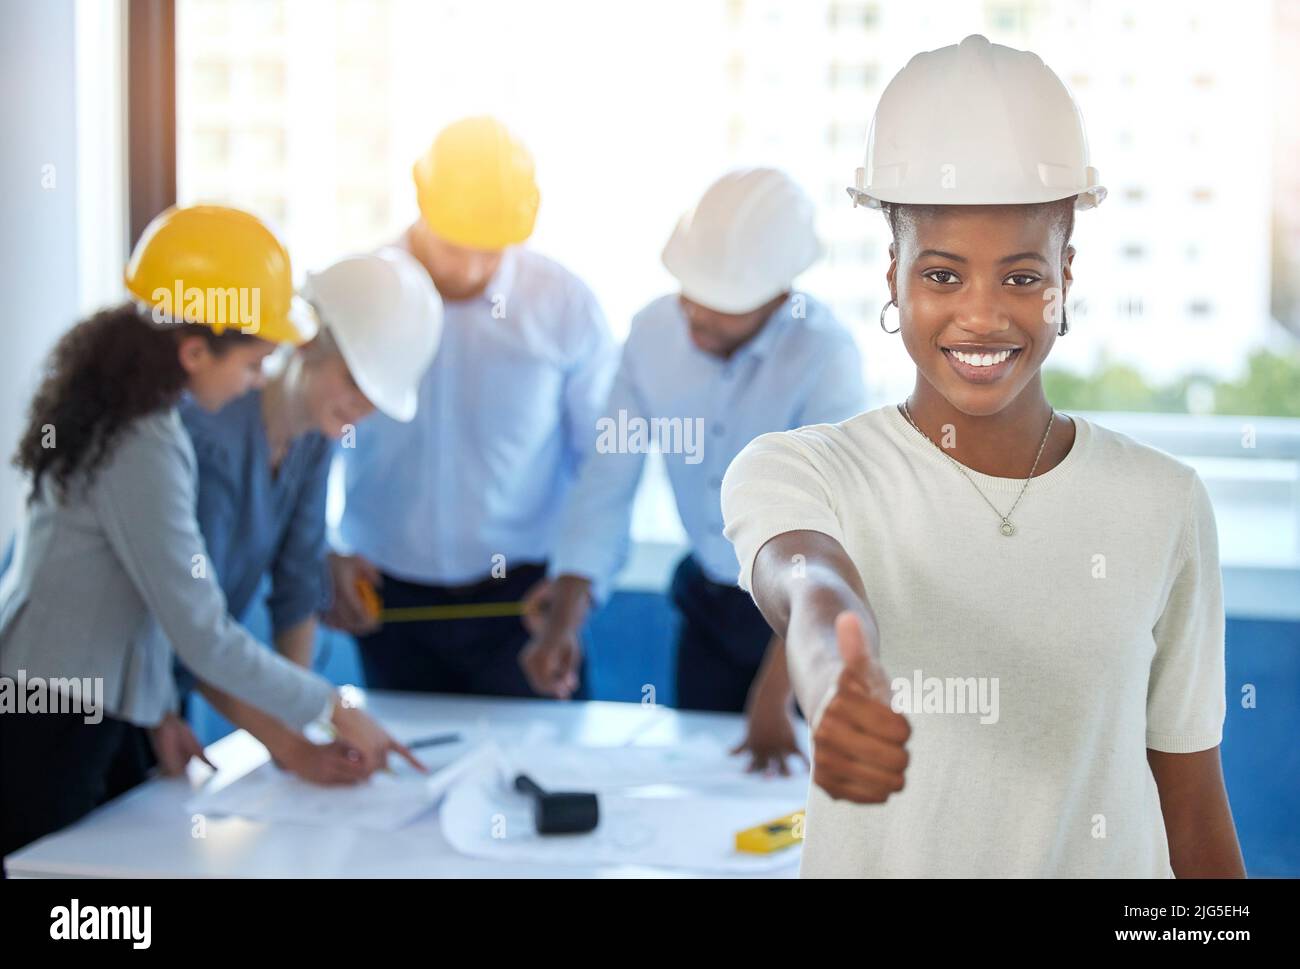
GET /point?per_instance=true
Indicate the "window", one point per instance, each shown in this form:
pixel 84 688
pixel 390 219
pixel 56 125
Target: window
pixel 846 137
pixel 736 68
pixel 690 93
pixel 268 79
pixel 852 75
pixel 1006 17
pixel 282 105
pixel 1131 306
pixel 858 16
pixel 213 147
pixel 212 80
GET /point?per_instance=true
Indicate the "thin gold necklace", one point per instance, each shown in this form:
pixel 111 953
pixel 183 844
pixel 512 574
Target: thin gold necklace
pixel 1006 528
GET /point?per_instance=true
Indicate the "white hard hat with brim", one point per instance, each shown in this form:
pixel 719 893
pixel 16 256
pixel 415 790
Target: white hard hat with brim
pixel 386 317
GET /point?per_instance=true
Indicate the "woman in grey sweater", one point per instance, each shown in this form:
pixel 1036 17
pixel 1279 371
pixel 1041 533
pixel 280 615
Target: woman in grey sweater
pixel 110 570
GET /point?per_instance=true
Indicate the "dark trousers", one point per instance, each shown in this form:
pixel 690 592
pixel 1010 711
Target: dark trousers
pixel 476 656
pixel 56 768
pixel 720 643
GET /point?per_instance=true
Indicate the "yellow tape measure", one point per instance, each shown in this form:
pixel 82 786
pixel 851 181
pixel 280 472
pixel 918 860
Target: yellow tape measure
pixel 763 839
pixel 471 610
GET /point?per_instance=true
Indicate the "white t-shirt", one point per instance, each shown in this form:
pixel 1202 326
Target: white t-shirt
pixel 1039 667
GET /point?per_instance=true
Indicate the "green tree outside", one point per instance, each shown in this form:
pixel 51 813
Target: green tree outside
pixel 1269 387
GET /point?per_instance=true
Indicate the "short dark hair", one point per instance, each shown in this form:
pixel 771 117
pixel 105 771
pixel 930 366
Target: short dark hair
pixel 902 216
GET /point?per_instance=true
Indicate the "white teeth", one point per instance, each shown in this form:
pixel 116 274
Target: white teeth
pixel 981 360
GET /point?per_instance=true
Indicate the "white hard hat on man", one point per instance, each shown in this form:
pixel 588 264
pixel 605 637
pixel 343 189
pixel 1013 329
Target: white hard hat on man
pixel 745 242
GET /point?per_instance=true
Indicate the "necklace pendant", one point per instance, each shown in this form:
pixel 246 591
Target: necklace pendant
pixel 1007 528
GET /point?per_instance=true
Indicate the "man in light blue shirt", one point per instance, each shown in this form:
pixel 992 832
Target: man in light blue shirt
pixel 453 516
pixel 736 355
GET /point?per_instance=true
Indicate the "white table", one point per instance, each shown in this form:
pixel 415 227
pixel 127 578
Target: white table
pixel 148 831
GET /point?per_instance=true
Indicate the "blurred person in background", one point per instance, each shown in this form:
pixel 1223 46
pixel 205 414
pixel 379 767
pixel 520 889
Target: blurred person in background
pixel 455 513
pixel 736 353
pixel 264 462
pixel 110 568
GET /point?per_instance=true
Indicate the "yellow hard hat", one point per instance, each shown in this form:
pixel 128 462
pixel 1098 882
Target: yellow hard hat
pixel 475 185
pixel 219 267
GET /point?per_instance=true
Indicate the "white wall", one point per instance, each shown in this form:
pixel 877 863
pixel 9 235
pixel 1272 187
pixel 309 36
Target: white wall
pixel 38 224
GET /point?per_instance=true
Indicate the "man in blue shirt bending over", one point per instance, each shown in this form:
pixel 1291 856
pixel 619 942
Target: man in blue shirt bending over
pixel 735 355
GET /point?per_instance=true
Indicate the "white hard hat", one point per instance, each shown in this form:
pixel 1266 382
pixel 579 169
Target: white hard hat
pixel 976 124
pixel 745 242
pixel 386 318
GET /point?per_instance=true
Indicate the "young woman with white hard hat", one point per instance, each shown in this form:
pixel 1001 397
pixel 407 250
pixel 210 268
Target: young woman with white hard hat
pixel 264 460
pixel 1045 592
pixel 110 570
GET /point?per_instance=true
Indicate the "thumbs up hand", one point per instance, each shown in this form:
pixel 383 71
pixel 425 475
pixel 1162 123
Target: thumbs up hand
pixel 860 668
pixel 858 746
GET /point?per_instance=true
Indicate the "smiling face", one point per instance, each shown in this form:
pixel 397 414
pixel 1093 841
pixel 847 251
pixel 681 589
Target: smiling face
pixel 978 289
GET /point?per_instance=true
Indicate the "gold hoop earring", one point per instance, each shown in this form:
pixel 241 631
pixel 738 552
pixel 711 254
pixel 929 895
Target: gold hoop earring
pixel 885 309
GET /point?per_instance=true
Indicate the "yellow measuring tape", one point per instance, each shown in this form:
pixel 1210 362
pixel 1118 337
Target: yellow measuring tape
pixel 471 610
pixel 779 833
